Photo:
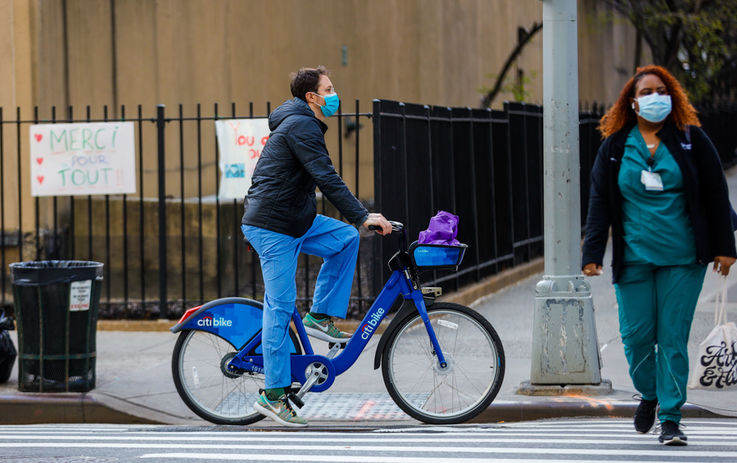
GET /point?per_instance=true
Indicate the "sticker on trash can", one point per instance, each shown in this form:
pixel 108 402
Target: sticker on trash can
pixel 79 295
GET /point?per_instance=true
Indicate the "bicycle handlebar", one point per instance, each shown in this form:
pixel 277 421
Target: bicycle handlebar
pixel 396 226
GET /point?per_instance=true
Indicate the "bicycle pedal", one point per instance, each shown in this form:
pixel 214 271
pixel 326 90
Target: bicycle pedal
pixel 294 398
pixel 433 291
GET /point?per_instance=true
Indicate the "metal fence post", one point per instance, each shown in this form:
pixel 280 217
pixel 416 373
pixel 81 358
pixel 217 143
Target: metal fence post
pixel 160 134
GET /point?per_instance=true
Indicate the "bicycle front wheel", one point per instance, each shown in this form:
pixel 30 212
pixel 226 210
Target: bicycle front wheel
pixel 199 369
pixel 465 387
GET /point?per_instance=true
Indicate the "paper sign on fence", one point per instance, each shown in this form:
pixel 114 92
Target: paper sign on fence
pixel 240 142
pixel 82 159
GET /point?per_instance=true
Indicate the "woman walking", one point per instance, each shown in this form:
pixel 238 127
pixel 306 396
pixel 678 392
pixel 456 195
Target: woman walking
pixel 658 183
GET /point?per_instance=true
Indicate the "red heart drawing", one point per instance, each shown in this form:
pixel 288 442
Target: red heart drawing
pixel 38 136
pixel 40 179
pixel 39 160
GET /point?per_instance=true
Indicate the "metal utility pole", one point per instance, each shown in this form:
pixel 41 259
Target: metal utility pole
pixel 564 347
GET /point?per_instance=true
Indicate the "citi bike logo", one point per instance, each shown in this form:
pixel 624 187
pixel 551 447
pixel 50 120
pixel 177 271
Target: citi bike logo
pixel 370 325
pixel 209 321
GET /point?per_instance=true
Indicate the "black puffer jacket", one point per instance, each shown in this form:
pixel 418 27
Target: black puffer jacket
pixel 707 197
pixel 295 160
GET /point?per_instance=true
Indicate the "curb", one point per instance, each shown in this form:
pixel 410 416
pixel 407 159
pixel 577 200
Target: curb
pixel 84 408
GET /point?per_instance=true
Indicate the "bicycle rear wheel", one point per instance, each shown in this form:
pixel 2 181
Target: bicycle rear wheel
pixel 463 389
pixel 208 389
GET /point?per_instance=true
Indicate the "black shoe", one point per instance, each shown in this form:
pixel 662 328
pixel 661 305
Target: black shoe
pixel 645 415
pixel 671 435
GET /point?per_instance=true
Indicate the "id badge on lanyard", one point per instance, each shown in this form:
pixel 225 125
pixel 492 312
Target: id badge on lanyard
pixel 651 180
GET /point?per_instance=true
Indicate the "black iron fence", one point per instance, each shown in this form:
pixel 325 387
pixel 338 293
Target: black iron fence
pixel 720 123
pixel 173 244
pixel 483 165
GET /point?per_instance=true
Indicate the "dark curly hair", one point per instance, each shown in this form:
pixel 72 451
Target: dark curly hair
pixel 306 80
pixel 621 113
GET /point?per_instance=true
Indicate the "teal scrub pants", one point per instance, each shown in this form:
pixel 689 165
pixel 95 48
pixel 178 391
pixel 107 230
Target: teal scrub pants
pixel 656 307
pixel 337 243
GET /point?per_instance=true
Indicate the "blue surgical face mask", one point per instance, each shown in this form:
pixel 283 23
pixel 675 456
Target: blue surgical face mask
pixel 331 104
pixel 654 107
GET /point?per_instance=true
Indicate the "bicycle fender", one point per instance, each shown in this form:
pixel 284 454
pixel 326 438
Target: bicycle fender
pixel 235 319
pixel 405 311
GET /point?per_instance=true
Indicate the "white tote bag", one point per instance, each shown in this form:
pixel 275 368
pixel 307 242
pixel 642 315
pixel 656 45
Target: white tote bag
pixel 716 364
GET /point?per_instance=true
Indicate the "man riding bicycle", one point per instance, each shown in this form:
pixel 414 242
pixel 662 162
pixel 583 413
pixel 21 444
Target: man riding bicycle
pixel 280 221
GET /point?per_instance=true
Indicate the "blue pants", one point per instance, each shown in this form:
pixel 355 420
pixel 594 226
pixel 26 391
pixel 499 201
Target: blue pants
pixel 656 307
pixel 337 243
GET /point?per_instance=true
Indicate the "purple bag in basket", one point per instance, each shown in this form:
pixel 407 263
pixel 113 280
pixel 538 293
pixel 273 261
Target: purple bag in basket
pixel 442 230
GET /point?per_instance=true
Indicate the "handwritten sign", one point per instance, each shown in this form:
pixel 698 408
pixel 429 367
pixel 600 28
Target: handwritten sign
pixel 82 159
pixel 240 142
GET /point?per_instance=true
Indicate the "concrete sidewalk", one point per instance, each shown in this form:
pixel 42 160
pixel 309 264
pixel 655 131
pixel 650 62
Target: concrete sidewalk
pixel 134 382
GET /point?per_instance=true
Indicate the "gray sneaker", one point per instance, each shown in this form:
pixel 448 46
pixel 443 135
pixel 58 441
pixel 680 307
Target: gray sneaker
pixel 279 410
pixel 324 329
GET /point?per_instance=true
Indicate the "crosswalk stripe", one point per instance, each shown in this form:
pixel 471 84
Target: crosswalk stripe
pixel 660 452
pixel 516 438
pixel 488 429
pixel 595 432
pixel 607 438
pixel 59 430
pixel 573 422
pixel 579 422
pixel 589 425
pixel 396 433
pixel 599 425
pixel 366 459
pixel 725 433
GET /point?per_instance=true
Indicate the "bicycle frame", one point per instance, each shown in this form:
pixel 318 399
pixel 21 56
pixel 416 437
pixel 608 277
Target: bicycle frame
pixel 398 284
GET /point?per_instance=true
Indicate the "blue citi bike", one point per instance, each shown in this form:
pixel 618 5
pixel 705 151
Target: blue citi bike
pixel 442 363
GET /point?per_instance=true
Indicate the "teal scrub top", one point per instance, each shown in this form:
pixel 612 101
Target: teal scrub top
pixel 657 228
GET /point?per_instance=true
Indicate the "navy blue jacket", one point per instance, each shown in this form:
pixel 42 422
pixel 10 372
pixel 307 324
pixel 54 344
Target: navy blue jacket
pixel 295 160
pixel 707 197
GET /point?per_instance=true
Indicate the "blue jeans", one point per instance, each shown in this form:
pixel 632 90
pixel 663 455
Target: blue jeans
pixel 337 243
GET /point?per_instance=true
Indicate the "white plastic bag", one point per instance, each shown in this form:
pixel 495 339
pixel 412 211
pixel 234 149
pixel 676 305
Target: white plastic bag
pixel 716 364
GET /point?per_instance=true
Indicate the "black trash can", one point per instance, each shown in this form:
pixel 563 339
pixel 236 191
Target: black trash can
pixel 56 306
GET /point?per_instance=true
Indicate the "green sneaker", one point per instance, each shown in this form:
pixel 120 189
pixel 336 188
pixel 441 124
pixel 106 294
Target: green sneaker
pixel 324 329
pixel 279 410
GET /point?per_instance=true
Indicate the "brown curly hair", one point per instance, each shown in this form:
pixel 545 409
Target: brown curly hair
pixel 622 114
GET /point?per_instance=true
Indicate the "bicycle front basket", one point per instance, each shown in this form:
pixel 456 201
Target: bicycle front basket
pixel 436 256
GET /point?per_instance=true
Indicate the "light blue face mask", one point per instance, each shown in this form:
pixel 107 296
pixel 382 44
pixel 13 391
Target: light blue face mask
pixel 654 107
pixel 331 104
